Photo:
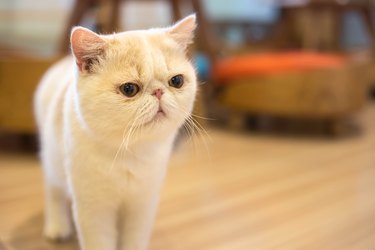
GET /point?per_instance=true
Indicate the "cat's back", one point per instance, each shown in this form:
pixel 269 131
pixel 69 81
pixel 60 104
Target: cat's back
pixel 49 95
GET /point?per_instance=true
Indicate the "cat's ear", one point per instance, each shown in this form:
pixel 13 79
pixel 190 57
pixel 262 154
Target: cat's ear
pixel 87 47
pixel 183 31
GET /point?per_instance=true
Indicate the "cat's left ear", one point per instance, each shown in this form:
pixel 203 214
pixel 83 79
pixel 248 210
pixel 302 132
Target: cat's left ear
pixel 87 47
pixel 183 31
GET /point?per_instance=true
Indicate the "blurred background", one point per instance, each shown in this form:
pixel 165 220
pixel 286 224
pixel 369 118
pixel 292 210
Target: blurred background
pixel 284 157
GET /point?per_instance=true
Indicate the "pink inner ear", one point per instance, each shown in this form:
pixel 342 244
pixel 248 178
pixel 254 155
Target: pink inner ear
pixel 85 45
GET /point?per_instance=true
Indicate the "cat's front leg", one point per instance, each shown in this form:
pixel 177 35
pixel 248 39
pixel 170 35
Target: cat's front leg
pixel 58 225
pixel 137 219
pixel 95 214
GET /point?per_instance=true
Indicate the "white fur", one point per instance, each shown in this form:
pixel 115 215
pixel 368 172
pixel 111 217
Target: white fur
pixel 106 153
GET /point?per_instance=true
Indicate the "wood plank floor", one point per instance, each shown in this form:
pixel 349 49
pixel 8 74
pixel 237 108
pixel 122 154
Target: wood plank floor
pixel 249 192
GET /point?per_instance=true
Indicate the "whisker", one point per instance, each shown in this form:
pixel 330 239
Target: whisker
pixel 131 131
pixel 119 149
pixel 196 129
pixel 204 118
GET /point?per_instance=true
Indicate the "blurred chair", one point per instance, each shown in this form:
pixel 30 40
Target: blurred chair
pixel 18 78
pixel 296 84
pixel 20 71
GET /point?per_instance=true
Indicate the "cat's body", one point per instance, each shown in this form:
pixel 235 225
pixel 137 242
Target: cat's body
pixel 108 118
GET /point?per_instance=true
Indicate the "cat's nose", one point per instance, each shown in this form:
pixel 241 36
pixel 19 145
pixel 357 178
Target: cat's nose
pixel 158 93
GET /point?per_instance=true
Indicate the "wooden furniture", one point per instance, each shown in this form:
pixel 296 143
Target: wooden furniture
pixel 19 76
pixel 306 89
pixel 328 15
pixel 317 92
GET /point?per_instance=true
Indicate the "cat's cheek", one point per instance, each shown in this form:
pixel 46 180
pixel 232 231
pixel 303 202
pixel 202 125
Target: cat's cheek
pixel 186 100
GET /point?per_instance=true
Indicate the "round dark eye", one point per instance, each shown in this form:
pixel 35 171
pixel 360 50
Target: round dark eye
pixel 176 81
pixel 129 89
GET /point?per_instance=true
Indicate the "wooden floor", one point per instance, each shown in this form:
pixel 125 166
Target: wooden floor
pixel 250 192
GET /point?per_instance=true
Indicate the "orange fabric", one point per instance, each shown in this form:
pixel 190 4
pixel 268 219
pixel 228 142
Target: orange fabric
pixel 272 63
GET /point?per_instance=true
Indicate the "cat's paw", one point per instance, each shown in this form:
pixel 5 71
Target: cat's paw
pixel 58 232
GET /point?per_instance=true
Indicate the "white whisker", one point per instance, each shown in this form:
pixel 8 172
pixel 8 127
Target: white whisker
pixel 204 118
pixel 118 150
pixel 195 128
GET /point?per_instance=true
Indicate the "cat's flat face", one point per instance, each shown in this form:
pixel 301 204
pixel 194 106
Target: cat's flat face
pixel 141 85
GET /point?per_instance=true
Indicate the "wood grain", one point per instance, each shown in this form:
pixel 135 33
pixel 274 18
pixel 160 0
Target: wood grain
pixel 242 192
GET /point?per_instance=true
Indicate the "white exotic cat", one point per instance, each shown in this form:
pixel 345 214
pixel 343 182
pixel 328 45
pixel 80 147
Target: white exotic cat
pixel 107 119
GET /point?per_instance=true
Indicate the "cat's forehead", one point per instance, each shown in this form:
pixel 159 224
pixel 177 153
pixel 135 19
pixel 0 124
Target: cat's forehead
pixel 144 40
pixel 146 53
pixel 128 36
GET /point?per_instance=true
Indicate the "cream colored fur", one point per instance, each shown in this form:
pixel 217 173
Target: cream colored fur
pixel 102 152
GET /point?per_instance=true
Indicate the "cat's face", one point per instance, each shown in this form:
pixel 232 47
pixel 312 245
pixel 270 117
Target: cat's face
pixel 135 84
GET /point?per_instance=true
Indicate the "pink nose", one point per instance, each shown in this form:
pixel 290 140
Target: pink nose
pixel 158 93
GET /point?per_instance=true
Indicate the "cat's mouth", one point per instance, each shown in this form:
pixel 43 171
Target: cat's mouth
pixel 160 113
pixel 159 116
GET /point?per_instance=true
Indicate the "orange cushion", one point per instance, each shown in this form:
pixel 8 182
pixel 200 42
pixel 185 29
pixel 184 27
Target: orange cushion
pixel 272 63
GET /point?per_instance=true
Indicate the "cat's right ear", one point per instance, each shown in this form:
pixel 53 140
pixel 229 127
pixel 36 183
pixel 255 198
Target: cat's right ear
pixel 183 31
pixel 87 47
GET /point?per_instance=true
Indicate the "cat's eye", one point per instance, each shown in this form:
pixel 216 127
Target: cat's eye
pixel 129 89
pixel 176 81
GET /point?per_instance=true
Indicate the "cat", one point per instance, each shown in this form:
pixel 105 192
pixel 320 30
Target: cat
pixel 107 118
